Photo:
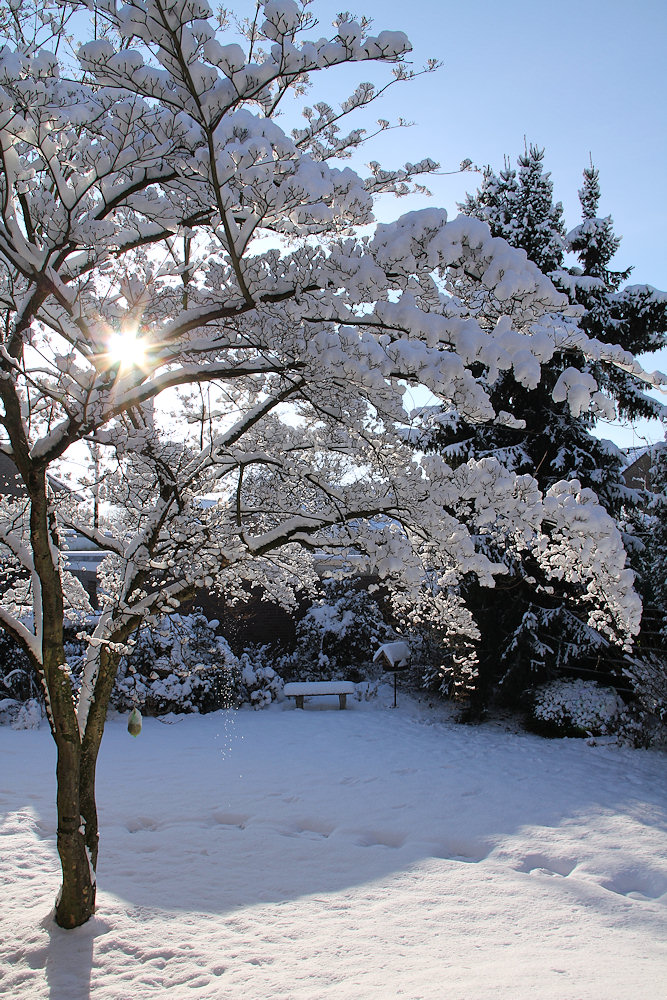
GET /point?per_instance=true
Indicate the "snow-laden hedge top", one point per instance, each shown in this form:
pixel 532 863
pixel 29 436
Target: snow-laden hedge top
pixel 578 704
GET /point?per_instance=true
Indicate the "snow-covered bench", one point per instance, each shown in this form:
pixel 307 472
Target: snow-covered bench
pixel 308 689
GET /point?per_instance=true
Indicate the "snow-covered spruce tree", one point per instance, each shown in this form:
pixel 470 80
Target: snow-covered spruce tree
pixel 647 667
pixel 158 230
pixel 496 201
pixel 521 209
pixel 534 623
pixel 556 442
pixel 657 555
pixel 634 316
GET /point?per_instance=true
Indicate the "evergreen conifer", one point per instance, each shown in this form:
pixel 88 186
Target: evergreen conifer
pixel 529 629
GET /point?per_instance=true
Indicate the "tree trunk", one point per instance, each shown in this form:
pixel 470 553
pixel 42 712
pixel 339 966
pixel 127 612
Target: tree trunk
pixel 76 900
pixel 79 843
pixel 91 745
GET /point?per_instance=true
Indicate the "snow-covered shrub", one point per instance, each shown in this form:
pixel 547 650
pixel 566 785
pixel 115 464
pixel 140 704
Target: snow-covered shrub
pixel 29 715
pixel 575 707
pixel 442 635
pixel 9 708
pixel 21 697
pixel 18 681
pixel 261 683
pixel 180 666
pixel 337 637
pixel 648 676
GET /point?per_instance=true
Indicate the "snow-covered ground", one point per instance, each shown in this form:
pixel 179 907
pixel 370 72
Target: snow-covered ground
pixel 363 854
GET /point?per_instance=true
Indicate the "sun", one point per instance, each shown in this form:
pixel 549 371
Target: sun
pixel 127 349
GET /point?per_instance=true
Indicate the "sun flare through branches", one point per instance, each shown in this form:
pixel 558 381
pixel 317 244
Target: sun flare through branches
pixel 127 349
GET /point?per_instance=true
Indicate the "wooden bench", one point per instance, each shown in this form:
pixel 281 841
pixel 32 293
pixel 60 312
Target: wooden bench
pixel 308 689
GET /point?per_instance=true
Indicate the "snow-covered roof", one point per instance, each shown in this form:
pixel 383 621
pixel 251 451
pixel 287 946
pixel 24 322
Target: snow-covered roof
pixel 632 455
pixel 11 484
pixel 639 470
pixel 396 654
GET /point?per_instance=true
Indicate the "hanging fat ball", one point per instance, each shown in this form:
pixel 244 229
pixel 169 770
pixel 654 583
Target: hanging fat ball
pixel 134 722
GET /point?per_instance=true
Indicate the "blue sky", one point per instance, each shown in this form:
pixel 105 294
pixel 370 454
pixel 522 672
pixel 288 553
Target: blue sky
pixel 581 78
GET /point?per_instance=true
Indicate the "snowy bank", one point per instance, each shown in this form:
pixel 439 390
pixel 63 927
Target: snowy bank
pixel 370 853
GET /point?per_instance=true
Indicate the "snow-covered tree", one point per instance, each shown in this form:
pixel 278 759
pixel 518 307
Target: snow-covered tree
pixel 657 542
pixel 555 442
pixel 496 201
pixel 160 232
pixel 647 668
pixel 182 665
pixel 338 634
pixel 521 209
pixel 634 316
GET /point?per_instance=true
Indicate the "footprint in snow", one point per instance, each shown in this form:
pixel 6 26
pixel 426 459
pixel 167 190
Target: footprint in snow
pixel 312 829
pixel 643 886
pixel 543 865
pixel 386 838
pixel 231 819
pixel 142 823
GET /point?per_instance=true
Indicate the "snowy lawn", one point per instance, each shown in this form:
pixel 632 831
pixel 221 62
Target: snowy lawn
pixel 362 854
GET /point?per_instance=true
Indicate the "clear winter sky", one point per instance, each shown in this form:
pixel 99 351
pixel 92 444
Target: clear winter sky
pixel 578 77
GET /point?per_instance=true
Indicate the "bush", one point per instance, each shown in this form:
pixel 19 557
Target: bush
pixel 18 681
pixel 442 636
pixel 648 676
pixel 29 715
pixel 576 707
pixel 337 637
pixel 261 683
pixel 180 666
pixel 20 692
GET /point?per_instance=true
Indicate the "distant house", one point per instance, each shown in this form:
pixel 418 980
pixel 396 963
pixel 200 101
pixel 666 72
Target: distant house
pixel 638 473
pixel 11 485
pixel 10 481
pixel 85 557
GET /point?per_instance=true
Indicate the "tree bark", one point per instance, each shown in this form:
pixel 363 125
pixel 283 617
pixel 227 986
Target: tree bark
pixel 78 830
pixel 76 900
pixel 75 768
pixel 90 748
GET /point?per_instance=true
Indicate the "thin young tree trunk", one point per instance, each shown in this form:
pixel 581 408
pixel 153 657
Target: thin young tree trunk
pixel 76 899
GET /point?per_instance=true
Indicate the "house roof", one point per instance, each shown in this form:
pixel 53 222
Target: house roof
pixel 638 473
pixel 10 481
pixel 11 484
